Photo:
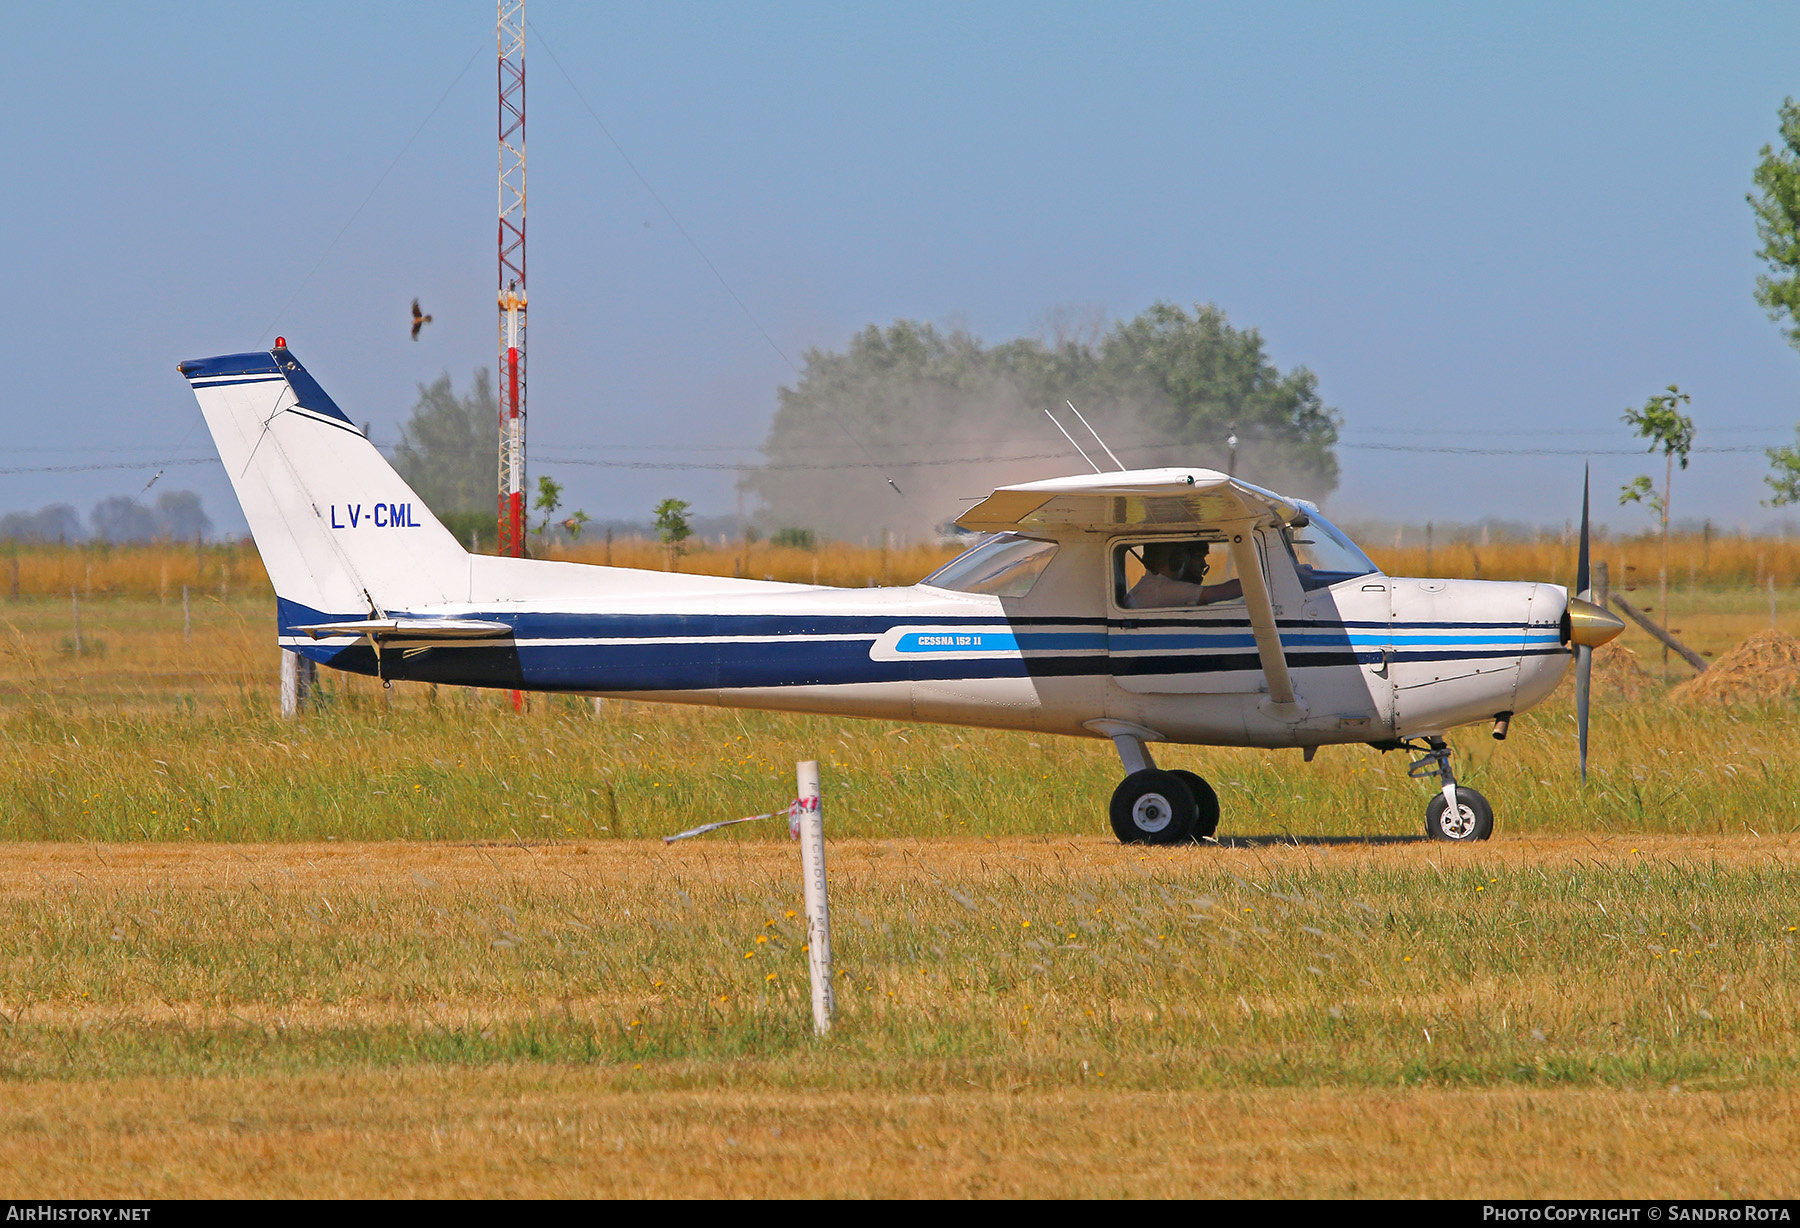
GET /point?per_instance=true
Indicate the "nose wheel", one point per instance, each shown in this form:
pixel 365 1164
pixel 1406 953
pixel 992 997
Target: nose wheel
pixel 1473 818
pixel 1470 819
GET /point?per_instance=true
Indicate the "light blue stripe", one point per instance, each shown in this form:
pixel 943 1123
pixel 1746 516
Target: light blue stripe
pixel 957 641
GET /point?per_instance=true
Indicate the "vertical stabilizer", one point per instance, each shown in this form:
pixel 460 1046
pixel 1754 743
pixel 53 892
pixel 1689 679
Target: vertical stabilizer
pixel 339 530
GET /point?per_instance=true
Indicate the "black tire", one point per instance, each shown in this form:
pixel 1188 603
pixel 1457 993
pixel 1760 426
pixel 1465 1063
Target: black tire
pixel 1206 822
pixel 1475 821
pixel 1152 807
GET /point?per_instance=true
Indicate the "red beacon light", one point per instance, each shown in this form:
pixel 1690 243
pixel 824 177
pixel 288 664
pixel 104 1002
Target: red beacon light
pixel 281 343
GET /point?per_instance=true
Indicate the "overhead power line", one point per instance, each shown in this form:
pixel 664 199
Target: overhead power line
pixel 927 463
pixel 1454 449
pixel 151 464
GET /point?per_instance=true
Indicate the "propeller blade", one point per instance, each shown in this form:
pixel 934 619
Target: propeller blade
pixel 1584 583
pixel 1584 655
pixel 1584 675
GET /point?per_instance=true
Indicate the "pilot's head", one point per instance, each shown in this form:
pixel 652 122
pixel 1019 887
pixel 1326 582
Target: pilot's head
pixel 1177 560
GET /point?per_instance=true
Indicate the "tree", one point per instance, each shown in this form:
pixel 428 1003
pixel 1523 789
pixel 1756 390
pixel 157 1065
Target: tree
pixel 1208 381
pixel 123 519
pixel 549 500
pixel 672 527
pixel 1778 224
pixel 1785 481
pixel 950 418
pixel 179 516
pixel 1666 427
pixel 54 522
pixel 447 452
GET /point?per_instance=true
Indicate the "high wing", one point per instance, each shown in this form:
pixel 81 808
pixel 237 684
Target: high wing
pixel 1178 501
pixel 1138 500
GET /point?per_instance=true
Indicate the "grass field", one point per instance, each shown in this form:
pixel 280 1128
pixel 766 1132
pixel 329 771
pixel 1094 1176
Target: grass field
pixel 414 943
pixel 1578 1017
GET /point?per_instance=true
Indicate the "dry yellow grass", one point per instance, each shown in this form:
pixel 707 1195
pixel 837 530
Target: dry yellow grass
pixel 159 570
pixel 1619 674
pixel 889 1106
pixel 1635 562
pixel 1388 1018
pixel 568 1132
pixel 1763 669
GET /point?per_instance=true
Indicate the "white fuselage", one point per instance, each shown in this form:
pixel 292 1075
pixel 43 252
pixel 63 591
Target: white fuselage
pixel 1372 659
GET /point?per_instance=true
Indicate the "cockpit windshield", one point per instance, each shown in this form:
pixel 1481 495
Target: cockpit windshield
pixel 1323 555
pixel 1004 565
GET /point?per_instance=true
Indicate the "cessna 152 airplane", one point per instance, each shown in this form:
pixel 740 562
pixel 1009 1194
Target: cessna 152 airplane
pixel 1063 620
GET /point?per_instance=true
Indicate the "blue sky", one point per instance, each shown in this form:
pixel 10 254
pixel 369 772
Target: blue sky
pixel 1480 225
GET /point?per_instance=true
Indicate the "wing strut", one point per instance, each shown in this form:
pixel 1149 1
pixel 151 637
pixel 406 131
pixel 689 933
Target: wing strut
pixel 1282 700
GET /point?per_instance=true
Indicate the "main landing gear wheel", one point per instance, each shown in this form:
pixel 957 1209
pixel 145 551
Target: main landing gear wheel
pixel 1473 820
pixel 1154 807
pixel 1207 820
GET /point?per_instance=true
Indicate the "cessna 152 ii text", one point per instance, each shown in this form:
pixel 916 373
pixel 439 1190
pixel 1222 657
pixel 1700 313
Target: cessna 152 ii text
pixel 1076 615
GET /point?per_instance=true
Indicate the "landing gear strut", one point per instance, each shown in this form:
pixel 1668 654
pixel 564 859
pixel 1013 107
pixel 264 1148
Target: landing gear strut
pixel 1152 806
pixel 1457 813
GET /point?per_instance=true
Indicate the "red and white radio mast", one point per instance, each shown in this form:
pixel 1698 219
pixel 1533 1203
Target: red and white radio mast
pixel 511 31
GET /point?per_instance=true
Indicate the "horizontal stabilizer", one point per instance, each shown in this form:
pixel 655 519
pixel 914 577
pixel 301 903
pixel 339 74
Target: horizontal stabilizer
pixel 411 629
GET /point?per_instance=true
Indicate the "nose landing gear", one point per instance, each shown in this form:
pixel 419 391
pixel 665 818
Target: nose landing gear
pixel 1457 813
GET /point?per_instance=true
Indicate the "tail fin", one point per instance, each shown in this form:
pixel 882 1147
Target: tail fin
pixel 340 532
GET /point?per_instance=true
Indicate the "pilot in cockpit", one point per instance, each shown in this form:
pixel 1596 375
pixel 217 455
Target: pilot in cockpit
pixel 1174 575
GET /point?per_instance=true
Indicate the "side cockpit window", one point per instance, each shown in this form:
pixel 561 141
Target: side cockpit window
pixel 1004 565
pixel 1169 573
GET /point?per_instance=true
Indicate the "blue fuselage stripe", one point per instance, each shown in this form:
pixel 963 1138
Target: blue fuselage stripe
pixel 673 652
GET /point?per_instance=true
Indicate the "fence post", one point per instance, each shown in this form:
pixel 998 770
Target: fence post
pixel 290 684
pixel 75 607
pixel 818 913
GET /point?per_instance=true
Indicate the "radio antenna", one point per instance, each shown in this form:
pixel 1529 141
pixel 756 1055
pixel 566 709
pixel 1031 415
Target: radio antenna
pixel 1071 439
pixel 1095 434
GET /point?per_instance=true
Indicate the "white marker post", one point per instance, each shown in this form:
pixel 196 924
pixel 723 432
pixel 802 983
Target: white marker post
pixel 818 915
pixel 290 684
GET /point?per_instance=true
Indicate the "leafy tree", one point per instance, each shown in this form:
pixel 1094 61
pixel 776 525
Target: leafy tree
pixel 1785 481
pixel 54 522
pixel 447 448
pixel 122 519
pixel 179 516
pixel 1778 223
pixel 1210 381
pixel 950 418
pixel 1778 290
pixel 1666 427
pixel 549 501
pixel 672 527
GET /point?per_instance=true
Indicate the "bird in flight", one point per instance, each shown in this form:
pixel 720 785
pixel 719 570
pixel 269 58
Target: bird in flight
pixel 420 320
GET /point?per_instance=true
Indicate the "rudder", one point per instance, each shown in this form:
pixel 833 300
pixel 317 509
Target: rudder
pixel 339 530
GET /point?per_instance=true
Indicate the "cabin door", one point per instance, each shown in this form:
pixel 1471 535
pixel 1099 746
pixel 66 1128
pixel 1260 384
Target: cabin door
pixel 1157 640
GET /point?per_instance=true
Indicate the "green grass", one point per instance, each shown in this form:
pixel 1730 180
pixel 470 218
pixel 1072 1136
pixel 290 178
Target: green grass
pixel 169 736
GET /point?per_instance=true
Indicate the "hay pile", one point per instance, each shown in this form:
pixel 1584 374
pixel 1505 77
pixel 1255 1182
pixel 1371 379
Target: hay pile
pixel 1764 667
pixel 1618 674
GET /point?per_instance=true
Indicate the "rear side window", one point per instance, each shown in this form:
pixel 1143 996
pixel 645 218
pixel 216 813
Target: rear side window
pixel 1005 565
